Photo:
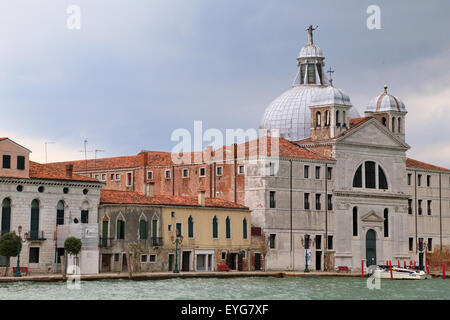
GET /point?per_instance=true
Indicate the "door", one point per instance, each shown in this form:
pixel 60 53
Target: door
pixel 106 262
pixel 186 260
pixel 257 261
pixel 240 260
pixel 124 262
pixel 170 262
pixel 34 228
pixel 105 234
pixel 318 260
pixel 371 248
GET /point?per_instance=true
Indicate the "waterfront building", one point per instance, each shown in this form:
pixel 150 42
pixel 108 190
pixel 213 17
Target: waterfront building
pixel 214 232
pixel 45 201
pixel 341 178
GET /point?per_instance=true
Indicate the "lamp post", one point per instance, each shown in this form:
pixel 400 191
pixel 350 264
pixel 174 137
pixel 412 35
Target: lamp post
pixel 178 240
pixel 306 242
pixel 19 247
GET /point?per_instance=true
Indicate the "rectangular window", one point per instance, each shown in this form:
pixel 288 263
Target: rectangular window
pixel 144 258
pixel 6 161
pixel 202 172
pixel 34 255
pixel 112 177
pixel 169 227
pixel 420 207
pixel 429 207
pixel 311 73
pixel 20 163
pixel 241 170
pixel 428 180
pixel 103 176
pixel 317 172
pixel 411 244
pixel 117 176
pixel 179 229
pixel 149 175
pixel 116 257
pixel 318 242
pixel 370 174
pixel 386 223
pixel 272 199
pixel 329 173
pixel 306 172
pixel 272 241
pixel 97 176
pixel 219 171
pixel 272 168
pixel 167 174
pixel 302 73
pixel 409 206
pixel 185 173
pixel 330 242
pixel 129 178
pixel 409 179
pixel 317 201
pixel 152 258
pixel 419 180
pixel 306 201
pixel 430 244
pixel 330 202
pixel 120 229
pixel 84 216
pixel 224 255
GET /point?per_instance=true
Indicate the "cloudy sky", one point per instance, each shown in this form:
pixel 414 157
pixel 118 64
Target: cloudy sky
pixel 139 69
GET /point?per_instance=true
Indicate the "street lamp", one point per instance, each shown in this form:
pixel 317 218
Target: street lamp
pixel 178 240
pixel 19 247
pixel 306 242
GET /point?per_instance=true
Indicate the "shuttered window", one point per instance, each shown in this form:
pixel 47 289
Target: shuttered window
pixel 143 229
pixel 244 228
pixel 120 229
pixel 228 227
pixel 190 227
pixel 215 228
pixel 6 161
pixel 20 162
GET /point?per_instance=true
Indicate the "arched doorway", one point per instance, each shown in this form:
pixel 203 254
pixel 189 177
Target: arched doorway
pixel 371 248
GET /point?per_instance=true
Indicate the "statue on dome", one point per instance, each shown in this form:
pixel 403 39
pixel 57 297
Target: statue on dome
pixel 310 33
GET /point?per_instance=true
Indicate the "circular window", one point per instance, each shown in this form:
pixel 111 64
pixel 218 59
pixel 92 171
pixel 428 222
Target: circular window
pixel 19 188
pixel 75 220
pixel 85 191
pixel 66 190
pixel 41 189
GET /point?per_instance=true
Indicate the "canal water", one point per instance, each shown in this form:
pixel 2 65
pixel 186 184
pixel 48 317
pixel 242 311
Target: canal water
pixel 302 288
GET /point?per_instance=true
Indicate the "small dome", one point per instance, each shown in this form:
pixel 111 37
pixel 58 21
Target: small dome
pixel 330 95
pixel 310 51
pixel 386 102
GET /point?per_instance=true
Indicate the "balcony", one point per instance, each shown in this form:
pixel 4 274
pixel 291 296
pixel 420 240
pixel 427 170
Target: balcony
pixel 156 242
pixel 105 242
pixel 35 235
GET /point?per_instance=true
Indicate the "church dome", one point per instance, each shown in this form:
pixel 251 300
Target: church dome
pixel 330 95
pixel 385 102
pixel 310 50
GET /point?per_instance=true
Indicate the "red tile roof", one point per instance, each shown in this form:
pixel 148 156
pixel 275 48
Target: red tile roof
pixel 130 197
pixel 40 171
pixel 411 163
pixel 4 138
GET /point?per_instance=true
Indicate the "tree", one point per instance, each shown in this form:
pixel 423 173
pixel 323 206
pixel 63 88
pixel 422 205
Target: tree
pixel 10 244
pixel 136 250
pixel 72 245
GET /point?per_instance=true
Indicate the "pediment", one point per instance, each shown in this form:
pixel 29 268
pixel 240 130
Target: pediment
pixel 372 216
pixel 11 146
pixel 373 133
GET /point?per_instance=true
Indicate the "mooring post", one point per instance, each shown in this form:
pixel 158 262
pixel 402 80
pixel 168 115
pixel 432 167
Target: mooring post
pixel 428 267
pixel 443 270
pixel 362 268
pixel 390 267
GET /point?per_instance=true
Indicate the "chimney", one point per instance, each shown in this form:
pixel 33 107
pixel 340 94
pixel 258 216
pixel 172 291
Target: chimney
pixel 150 189
pixel 201 198
pixel 69 170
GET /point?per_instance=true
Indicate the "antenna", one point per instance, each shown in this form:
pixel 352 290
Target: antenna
pixel 330 72
pixel 85 152
pixel 46 143
pixel 95 157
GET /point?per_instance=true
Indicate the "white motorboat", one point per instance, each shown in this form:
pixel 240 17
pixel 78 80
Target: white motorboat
pixel 384 272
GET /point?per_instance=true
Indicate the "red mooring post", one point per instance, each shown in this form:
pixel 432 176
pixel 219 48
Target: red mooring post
pixel 428 267
pixel 398 263
pixel 410 264
pixel 404 263
pixel 390 267
pixel 443 270
pixel 387 263
pixel 362 268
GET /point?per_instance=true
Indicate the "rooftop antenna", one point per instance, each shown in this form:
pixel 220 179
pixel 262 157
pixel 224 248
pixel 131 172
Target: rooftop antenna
pixel 95 157
pixel 85 152
pixel 330 72
pixel 46 143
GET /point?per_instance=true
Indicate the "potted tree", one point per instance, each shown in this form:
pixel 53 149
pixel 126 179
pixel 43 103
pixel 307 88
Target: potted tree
pixel 10 245
pixel 72 246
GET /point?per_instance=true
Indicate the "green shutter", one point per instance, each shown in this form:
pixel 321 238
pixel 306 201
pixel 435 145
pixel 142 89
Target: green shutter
pixel 215 227
pixel 228 231
pixel 6 220
pixel 141 229
pixel 244 226
pixel 190 227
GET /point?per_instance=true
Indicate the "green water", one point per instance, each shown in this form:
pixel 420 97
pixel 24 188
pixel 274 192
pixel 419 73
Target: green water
pixel 233 288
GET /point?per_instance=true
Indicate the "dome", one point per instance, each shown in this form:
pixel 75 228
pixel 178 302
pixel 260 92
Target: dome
pixel 310 51
pixel 386 102
pixel 290 112
pixel 330 95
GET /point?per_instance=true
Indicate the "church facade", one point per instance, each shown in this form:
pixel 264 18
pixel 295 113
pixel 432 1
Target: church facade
pixel 341 190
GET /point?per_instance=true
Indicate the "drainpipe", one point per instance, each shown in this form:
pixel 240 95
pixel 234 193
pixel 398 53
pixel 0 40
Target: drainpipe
pixel 326 208
pixel 415 202
pixel 290 208
pixel 173 180
pixel 440 211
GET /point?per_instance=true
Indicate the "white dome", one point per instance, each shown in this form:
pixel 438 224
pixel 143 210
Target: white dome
pixel 290 112
pixel 386 102
pixel 310 51
pixel 330 95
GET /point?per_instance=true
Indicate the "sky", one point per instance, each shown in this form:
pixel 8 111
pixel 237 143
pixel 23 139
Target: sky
pixel 136 70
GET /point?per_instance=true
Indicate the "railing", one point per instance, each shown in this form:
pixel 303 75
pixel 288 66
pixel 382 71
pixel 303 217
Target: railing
pixel 156 242
pixel 105 242
pixel 36 235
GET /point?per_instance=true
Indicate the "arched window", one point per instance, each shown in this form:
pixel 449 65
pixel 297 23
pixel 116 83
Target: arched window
pixel 6 215
pixel 327 118
pixel 34 221
pixel 105 229
pixel 383 121
pixel 393 124
pixel 386 222
pixel 143 229
pixel 399 124
pixel 357 178
pixel 311 73
pixel 85 212
pixel 355 221
pixel 120 229
pixel 190 227
pixel 318 119
pixel 228 227
pixel 343 118
pixel 382 181
pixel 370 174
pixel 244 228
pixel 60 213
pixel 338 124
pixel 215 228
